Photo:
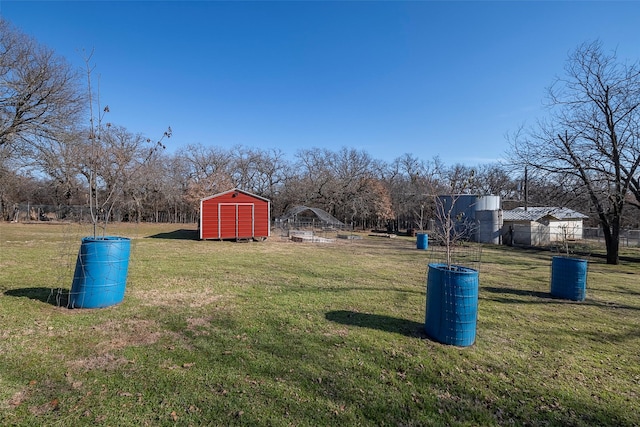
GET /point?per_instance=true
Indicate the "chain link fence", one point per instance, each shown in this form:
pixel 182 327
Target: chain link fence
pixel 628 238
pixel 26 212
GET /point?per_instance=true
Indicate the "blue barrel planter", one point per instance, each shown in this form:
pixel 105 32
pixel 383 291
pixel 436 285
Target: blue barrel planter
pixel 452 304
pixel 569 278
pixel 422 241
pixel 101 270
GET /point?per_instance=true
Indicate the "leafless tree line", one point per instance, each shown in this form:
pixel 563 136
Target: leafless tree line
pixel 153 185
pixel 585 157
pixel 157 186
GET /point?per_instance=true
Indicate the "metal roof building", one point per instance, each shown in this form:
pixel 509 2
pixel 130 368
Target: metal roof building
pixel 539 226
pixel 538 213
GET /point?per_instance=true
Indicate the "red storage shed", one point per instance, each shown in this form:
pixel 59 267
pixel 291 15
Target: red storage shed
pixel 235 214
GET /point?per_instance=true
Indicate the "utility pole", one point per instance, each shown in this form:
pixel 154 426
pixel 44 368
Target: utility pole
pixel 526 188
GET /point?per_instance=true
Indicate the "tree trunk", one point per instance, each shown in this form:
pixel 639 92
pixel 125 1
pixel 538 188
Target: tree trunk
pixel 612 241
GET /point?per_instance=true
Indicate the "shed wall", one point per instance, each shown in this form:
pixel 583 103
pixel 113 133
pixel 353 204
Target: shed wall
pixel 527 233
pixel 559 231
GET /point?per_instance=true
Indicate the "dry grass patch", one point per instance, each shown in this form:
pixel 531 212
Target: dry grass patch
pixel 113 336
pixel 179 292
pixel 120 334
pixel 198 325
pixel 102 362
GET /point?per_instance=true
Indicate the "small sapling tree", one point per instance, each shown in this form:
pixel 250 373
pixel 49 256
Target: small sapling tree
pixel 452 226
pixel 420 217
pixel 452 286
pixel 114 158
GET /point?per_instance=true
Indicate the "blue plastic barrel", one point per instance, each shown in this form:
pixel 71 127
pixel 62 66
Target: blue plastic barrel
pixel 452 304
pixel 422 241
pixel 569 278
pixel 101 270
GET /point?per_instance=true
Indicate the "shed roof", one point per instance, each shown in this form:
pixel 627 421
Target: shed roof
pixel 234 190
pixel 537 213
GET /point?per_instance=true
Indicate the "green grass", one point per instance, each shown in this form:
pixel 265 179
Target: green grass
pixel 280 333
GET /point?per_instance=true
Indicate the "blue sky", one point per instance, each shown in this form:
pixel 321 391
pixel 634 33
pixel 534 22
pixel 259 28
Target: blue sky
pixel 447 79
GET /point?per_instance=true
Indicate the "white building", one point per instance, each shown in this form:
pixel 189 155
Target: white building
pixel 540 226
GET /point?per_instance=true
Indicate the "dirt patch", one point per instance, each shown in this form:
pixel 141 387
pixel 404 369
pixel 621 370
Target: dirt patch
pixel 131 332
pixel 22 396
pixel 343 332
pixel 9 263
pixel 39 410
pixel 177 292
pixel 17 398
pixel 198 325
pixel 103 362
pixel 117 336
pixel 27 393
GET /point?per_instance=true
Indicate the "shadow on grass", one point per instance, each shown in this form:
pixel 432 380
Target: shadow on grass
pixel 623 290
pixel 520 292
pixel 377 321
pixel 55 296
pixel 547 298
pixel 621 337
pixel 604 257
pixel 182 234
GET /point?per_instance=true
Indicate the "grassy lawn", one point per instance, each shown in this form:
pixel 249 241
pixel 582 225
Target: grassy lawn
pixel 280 333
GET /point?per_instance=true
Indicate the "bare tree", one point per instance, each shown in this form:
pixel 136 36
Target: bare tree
pixel 457 179
pixel 452 226
pixel 315 183
pixel 59 159
pixel 352 170
pixel 373 204
pixel 634 188
pixel 243 167
pixel 343 183
pixel 40 95
pixel 494 179
pixel 175 184
pixel 205 162
pixel 259 171
pixel 114 166
pixel 148 191
pixel 591 137
pixel 412 183
pixel 8 183
pixel 208 172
